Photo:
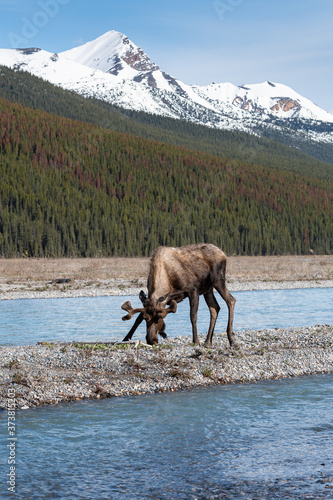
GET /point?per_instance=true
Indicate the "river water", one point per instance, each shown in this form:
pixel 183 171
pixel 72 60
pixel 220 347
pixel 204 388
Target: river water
pixel 267 440
pixel 30 321
pixel 264 440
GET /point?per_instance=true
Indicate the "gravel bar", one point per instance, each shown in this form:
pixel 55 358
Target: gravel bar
pixel 102 288
pixel 54 373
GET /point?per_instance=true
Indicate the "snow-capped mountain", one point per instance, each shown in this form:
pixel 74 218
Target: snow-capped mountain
pixel 114 69
pixel 112 53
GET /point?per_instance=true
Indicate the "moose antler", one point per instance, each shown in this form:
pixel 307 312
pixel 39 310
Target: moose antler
pixel 171 309
pixel 127 306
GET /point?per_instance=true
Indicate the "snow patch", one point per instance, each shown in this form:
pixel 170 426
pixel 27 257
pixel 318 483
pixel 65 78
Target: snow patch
pixel 114 69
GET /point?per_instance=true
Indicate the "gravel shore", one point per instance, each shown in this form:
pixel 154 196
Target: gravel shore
pixel 54 373
pixel 78 288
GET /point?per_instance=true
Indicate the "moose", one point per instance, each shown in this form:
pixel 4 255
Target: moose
pixel 177 273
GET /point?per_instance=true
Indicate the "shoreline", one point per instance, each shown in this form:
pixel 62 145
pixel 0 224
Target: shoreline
pixel 107 276
pixel 55 373
pixel 49 374
pixel 104 288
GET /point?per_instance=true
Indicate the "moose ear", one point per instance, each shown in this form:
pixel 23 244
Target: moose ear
pixel 142 296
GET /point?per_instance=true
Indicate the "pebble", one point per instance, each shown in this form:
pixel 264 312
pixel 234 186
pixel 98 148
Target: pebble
pixel 50 374
pixel 108 288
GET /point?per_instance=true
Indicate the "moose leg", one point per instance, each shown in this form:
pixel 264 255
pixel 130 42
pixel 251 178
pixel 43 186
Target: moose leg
pixel 214 309
pixel 138 320
pixel 194 304
pixel 230 301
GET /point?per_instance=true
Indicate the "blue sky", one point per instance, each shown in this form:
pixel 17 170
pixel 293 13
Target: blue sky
pixel 197 41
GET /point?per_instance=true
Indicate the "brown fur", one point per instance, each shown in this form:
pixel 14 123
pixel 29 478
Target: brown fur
pixel 177 273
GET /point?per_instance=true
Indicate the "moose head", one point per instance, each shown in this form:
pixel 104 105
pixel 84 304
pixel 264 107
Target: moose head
pixel 153 312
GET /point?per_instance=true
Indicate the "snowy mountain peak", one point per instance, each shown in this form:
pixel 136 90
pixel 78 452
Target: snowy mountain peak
pixel 113 69
pixel 111 53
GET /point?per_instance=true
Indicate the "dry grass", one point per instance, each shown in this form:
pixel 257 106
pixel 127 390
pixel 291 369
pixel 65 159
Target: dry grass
pixel 75 269
pixel 282 268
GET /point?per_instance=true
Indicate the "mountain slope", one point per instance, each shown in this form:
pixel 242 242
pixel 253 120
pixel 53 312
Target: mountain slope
pixel 113 47
pixel 113 69
pixel 112 53
pixel 72 189
pixel 20 86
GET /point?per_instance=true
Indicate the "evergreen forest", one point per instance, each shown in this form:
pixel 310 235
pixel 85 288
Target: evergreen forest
pixel 70 188
pixel 309 158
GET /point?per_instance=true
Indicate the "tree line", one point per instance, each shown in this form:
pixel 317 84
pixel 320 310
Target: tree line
pixel 33 92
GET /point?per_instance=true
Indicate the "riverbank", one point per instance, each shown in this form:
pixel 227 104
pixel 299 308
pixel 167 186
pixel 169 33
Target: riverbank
pixel 55 373
pixel 50 374
pixel 65 291
pixel 57 278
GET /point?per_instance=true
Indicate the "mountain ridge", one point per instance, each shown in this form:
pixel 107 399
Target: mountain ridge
pixel 96 54
pixel 34 92
pixel 119 72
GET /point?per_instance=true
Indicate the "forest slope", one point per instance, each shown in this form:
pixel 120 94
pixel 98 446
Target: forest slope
pixel 26 89
pixel 73 189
